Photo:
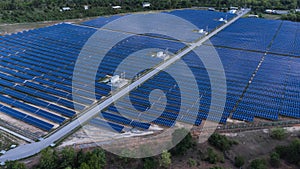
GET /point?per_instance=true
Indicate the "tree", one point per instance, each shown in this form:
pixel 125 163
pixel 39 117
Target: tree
pixel 81 158
pixel 278 133
pixel 212 157
pixel 275 159
pixel 97 159
pixel 185 144
pixel 192 162
pixel 150 163
pixel 68 156
pixel 84 166
pixel 239 161
pixel 165 160
pixel 258 164
pixel 220 142
pixel 48 159
pixel 290 153
pixel 14 165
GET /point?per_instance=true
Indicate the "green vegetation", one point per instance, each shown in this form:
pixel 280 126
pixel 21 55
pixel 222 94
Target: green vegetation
pixel 184 145
pixel 48 159
pixel 278 133
pixel 150 163
pixel 68 158
pixel 290 153
pixel 275 159
pixel 293 16
pixel 212 156
pixel 221 142
pixel 192 162
pixel 258 164
pixel 15 165
pixel 239 161
pixel 216 167
pixel 14 11
pixel 165 160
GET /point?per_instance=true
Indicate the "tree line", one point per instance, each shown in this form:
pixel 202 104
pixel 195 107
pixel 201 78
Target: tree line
pixel 68 158
pixel 15 11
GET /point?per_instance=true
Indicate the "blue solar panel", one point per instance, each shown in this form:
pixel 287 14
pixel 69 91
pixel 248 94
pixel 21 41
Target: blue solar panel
pixel 26 118
pixel 32 109
pixel 36 68
pixel 285 41
pixel 248 33
pixel 116 118
pixel 107 125
pixel 202 18
pixel 265 95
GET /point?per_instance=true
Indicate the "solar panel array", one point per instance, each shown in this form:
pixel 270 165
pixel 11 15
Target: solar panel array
pixel 35 74
pixel 201 19
pixel 164 115
pixel 272 91
pixel 239 67
pixel 248 34
pixel 36 71
pixel 288 39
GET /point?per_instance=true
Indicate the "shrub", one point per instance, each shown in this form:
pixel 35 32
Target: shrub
pixel 275 159
pixel 258 164
pixel 278 133
pixel 239 161
pixel 221 142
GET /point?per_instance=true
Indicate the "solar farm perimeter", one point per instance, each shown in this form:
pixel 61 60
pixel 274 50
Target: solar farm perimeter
pixel 260 58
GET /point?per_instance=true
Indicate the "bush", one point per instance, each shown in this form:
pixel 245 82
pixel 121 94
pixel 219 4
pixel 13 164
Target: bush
pixel 184 145
pixel 69 158
pixel 239 161
pixel 150 163
pixel 278 133
pixel 212 157
pixel 14 165
pixel 165 160
pixel 290 153
pixel 192 162
pixel 49 159
pixel 258 164
pixel 275 159
pixel 221 142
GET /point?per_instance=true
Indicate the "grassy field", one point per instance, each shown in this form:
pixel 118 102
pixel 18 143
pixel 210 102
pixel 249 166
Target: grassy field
pixel 270 16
